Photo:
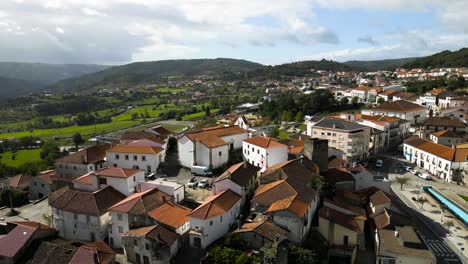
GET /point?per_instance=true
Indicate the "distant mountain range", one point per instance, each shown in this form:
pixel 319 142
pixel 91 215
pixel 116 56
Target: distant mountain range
pixel 376 65
pixel 17 79
pixel 20 78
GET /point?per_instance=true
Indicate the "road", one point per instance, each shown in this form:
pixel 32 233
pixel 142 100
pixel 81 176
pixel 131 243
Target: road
pixel 433 233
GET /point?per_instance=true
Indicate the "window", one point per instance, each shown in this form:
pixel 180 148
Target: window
pixel 135 242
pixel 220 218
pixel 136 167
pixel 88 219
pixel 220 153
pixel 147 246
pixel 120 229
pixel 211 222
pixel 135 157
pixel 143 158
pixel 115 165
pixel 92 236
pixel 119 217
pixel 102 181
pixel 74 167
pixel 126 157
pixel 328 134
pixel 334 134
pixel 148 168
pixel 345 240
pixel 134 178
pixel 258 151
pixel 117 156
pixel 75 216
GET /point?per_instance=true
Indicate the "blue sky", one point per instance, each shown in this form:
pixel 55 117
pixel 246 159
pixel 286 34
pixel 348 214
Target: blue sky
pixel 265 31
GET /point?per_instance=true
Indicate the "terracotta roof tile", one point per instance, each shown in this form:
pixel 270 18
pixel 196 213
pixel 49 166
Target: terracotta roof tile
pixel 211 137
pixel 89 155
pixel 444 122
pixel 18 181
pixel 155 232
pixel 88 252
pixel 401 106
pixel 264 142
pixel 88 203
pixel 265 229
pixel 354 223
pixel 241 174
pixel 447 133
pixel 216 205
pixel 135 149
pixel 12 243
pixel 133 136
pixel 116 172
pixel 170 214
pixel 141 203
pixel 379 198
pixel 431 147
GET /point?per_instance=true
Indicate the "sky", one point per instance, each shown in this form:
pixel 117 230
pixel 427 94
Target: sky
pixel 266 31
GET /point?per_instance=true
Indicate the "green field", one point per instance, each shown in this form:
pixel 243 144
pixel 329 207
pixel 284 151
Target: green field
pixel 283 134
pixel 198 115
pixel 22 156
pixel 174 128
pixel 170 90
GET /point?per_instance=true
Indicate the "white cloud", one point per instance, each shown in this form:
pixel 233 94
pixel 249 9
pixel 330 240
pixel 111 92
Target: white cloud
pixel 92 12
pixel 59 30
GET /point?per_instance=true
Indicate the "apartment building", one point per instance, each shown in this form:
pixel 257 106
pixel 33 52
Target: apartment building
pixel 403 109
pixel 351 138
pixel 138 157
pixel 437 123
pixel 264 151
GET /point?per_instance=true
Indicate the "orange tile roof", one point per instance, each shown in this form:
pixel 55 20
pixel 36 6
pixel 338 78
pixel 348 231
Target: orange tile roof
pixel 439 150
pixel 265 229
pixel 436 91
pixel 48 176
pixel 389 92
pixel 116 172
pixel 88 253
pixel 135 149
pixel 362 88
pixel 379 198
pixel 170 214
pixel 18 181
pixel 400 106
pixel 141 202
pixel 354 223
pixel 89 155
pixel 211 137
pixel 85 179
pixel 264 142
pixel 216 205
pixel 35 225
pixel 155 232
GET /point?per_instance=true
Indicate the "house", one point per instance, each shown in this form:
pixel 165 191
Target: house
pixel 403 109
pixel 387 96
pixel 286 195
pixel 444 162
pixel 89 159
pixel 123 180
pixel 339 179
pixel 239 178
pixel 264 151
pixel 172 216
pixel 436 123
pixel 41 185
pixel 349 137
pixel 19 237
pixel 459 113
pixel 130 213
pixel 365 179
pixel 146 157
pixel 256 235
pixel 394 237
pixel 378 202
pixel 53 251
pixel 132 136
pixel 83 215
pixel 175 190
pixel 150 244
pixel 210 147
pixel 447 138
pixel 94 252
pixel 213 218
pixel 342 226
pixel 19 182
pixel 410 97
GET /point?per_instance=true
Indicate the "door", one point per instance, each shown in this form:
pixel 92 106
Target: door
pixel 137 256
pixel 145 260
pixel 345 242
pixel 197 242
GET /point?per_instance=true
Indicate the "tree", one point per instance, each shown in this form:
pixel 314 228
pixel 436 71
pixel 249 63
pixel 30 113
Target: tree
pixel 380 100
pixel 422 201
pixel 449 224
pixel 344 101
pixel 207 111
pixel 274 133
pixel 134 116
pixel 300 255
pixel 402 181
pixel 299 117
pixel 318 182
pixel 355 100
pixel 78 140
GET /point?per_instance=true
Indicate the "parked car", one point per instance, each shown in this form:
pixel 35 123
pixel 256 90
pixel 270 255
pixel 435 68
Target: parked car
pixel 203 184
pixel 193 182
pixel 425 176
pixel 379 163
pixel 407 168
pixel 414 172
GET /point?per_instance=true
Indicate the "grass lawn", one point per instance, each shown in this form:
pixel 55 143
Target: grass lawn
pixel 302 127
pixel 22 156
pixel 170 90
pixel 174 128
pixel 283 134
pixel 197 115
pixel 464 197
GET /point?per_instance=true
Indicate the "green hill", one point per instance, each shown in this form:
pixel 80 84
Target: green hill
pixel 376 65
pixel 10 88
pixel 141 72
pixel 442 59
pixel 45 73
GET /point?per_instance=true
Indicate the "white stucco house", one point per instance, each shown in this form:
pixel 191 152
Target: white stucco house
pixel 121 179
pixel 83 215
pixel 264 151
pixel 210 147
pixel 213 218
pixel 144 158
pixel 177 191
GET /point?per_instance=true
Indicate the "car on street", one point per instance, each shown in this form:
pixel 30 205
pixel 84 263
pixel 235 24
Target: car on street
pixel 425 176
pixel 407 168
pixel 203 184
pixel 414 172
pixel 379 163
pixel 193 182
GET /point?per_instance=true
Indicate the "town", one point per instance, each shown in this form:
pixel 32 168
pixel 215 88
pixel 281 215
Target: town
pixel 329 167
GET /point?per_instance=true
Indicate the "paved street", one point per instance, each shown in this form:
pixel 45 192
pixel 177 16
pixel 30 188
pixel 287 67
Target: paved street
pixel 29 212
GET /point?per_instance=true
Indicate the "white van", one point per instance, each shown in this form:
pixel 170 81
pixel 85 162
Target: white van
pixel 201 170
